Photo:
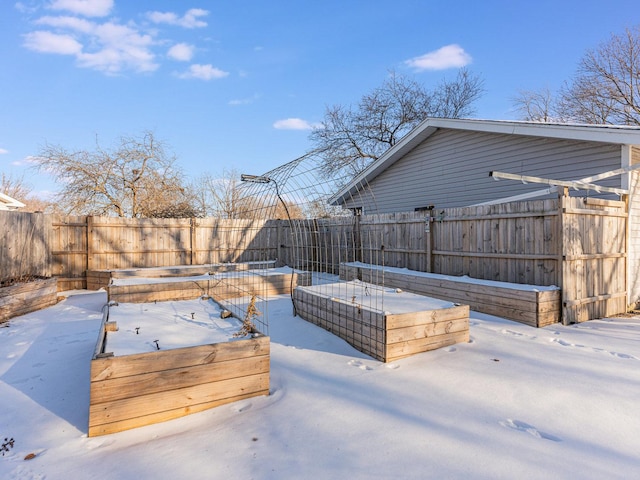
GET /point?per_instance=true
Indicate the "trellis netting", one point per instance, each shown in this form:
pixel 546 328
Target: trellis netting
pixel 309 237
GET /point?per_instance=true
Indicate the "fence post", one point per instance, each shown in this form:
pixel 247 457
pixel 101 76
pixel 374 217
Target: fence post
pixel 90 265
pixel 357 243
pixel 428 241
pixel 279 260
pixel 563 195
pixel 192 241
pixel 627 246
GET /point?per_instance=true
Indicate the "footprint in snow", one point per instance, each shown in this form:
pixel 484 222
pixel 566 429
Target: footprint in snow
pixel 510 332
pixel 451 349
pixel 625 356
pixel 359 364
pixel 530 429
pixel 565 343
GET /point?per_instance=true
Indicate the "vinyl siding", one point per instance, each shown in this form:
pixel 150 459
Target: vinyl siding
pixel 634 231
pixel 451 169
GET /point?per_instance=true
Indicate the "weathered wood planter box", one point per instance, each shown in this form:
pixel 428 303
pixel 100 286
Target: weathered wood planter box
pixel 529 304
pixel 97 279
pixel 27 297
pixel 221 286
pixel 140 389
pixel 387 328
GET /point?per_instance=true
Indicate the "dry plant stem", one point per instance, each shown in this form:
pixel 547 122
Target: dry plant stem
pixel 248 325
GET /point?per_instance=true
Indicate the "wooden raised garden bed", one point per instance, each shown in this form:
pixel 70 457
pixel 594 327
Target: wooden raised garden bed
pixel 137 389
pixel 27 297
pixel 97 279
pixel 394 325
pixel 220 286
pixel 529 304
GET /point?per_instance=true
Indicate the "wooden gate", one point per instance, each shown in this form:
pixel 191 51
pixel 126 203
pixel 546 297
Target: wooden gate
pixel 594 258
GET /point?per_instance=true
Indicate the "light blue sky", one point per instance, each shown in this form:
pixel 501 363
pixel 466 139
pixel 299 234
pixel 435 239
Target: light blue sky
pixel 238 84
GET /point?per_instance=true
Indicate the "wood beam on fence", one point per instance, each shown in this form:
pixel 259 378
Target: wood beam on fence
pixel 557 183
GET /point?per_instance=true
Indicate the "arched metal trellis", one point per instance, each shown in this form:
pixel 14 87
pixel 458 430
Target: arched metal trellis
pixel 314 238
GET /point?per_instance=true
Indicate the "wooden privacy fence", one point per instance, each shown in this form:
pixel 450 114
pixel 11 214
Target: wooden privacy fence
pixel 575 243
pixel 79 244
pixel 24 245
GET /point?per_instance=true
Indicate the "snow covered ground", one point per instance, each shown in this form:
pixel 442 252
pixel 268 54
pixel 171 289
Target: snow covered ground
pixel 515 402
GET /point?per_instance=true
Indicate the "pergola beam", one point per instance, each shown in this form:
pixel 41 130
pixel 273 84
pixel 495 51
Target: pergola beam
pixel 578 185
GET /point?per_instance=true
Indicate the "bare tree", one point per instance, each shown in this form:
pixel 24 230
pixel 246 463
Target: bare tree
pixel 537 106
pixel 351 138
pixel 456 98
pixel 222 196
pixel 137 178
pixel 604 90
pixel 15 187
pixel 226 196
pixel 18 188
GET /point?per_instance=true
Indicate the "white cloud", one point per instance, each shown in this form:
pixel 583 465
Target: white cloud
pixel 88 8
pixel 66 22
pixel 244 101
pixel 3 151
pixel 23 8
pixel 191 19
pixel 449 56
pixel 28 160
pixel 108 47
pixel 48 42
pixel 203 72
pixel 112 46
pixel 293 124
pixel 182 52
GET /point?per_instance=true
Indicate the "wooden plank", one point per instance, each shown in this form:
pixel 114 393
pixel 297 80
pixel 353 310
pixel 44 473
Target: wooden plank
pixel 178 399
pixel 594 256
pixel 444 315
pixel 504 256
pixel 596 298
pixel 175 378
pixel 23 298
pixel 607 213
pixel 218 287
pixel 149 419
pixel 460 287
pixel 414 332
pixel 400 350
pixel 141 363
pixel 605 203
